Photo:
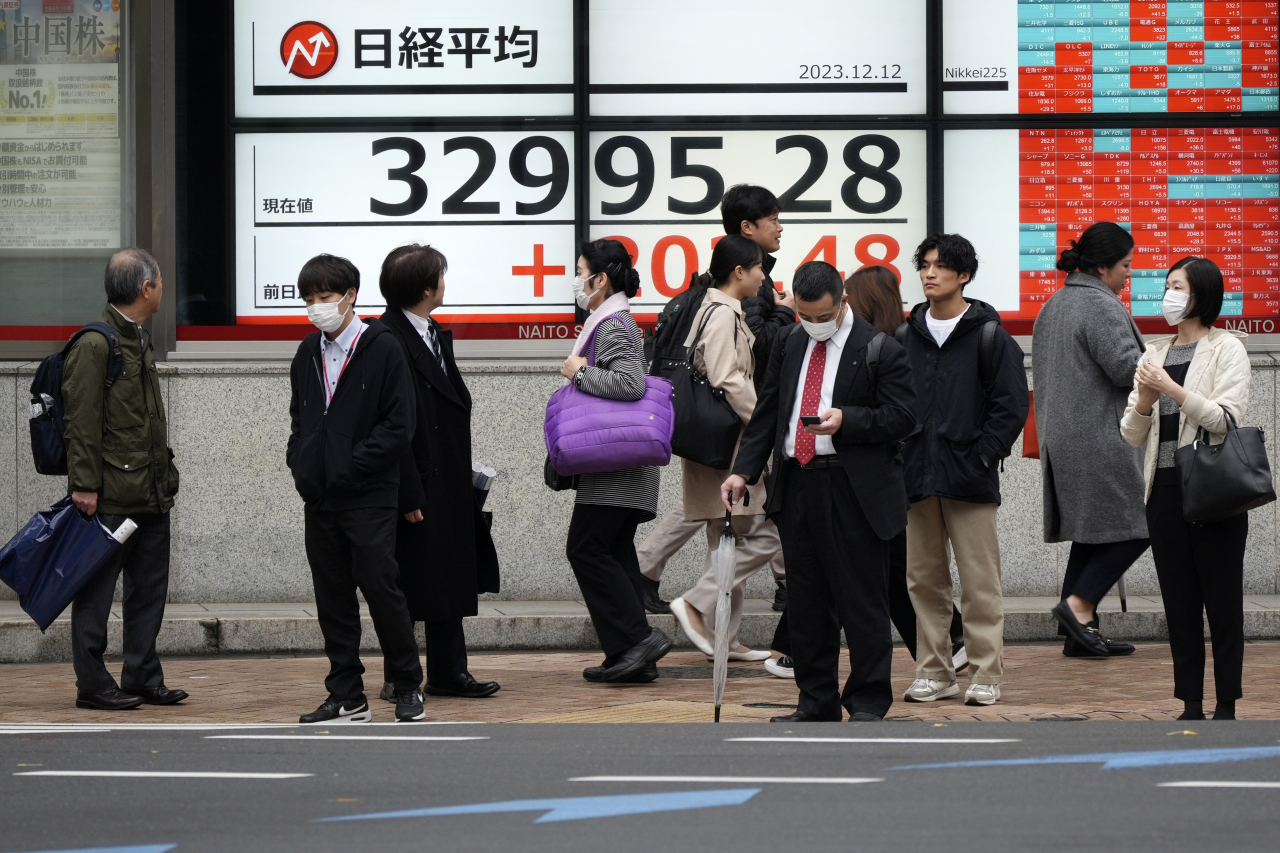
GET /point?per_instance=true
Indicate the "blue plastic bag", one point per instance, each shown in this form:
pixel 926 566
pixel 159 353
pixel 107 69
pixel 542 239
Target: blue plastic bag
pixel 53 556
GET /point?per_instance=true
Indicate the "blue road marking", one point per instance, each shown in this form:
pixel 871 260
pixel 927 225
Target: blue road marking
pixel 1123 760
pixel 581 808
pixel 143 848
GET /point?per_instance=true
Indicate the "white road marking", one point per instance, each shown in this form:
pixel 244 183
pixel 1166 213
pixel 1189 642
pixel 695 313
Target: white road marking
pixel 319 737
pixel 73 728
pixel 161 774
pixel 747 780
pixel 872 740
pixel 1219 785
pixel 45 731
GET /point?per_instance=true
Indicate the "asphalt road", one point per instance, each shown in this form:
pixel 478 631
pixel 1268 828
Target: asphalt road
pixel 1074 785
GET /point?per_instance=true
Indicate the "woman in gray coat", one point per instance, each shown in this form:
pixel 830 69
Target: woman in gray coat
pixel 1084 352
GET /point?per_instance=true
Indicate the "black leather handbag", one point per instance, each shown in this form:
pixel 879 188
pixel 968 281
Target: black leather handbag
pixel 706 427
pixel 556 481
pixel 1222 480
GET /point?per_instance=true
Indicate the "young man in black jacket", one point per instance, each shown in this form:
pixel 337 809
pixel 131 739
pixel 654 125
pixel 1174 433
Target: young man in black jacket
pixel 752 212
pixel 352 417
pixel 971 403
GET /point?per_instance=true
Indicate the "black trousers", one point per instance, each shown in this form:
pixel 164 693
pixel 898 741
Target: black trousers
pixel 602 551
pixel 350 550
pixel 901 611
pixel 1092 569
pixel 144 560
pixel 1201 570
pixel 446 652
pixel 837 577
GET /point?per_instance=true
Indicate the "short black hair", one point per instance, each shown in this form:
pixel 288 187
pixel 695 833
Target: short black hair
pixel 611 258
pixel 410 271
pixel 954 252
pixel 1206 288
pixel 746 202
pixel 1101 246
pixel 327 274
pixel 816 278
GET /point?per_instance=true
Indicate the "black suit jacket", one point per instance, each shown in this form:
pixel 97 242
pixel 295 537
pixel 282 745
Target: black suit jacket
pixel 874 422
pixel 449 556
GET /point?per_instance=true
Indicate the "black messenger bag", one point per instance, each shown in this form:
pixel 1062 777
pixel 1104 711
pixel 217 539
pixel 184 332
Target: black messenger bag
pixel 1222 480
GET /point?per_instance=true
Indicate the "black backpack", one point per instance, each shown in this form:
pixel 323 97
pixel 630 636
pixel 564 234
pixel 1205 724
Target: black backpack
pixel 47 418
pixel 665 350
pixel 986 350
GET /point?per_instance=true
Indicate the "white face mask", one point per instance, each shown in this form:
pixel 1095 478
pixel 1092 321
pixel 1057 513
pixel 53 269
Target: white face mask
pixel 1175 306
pixel 580 296
pixel 822 331
pixel 326 317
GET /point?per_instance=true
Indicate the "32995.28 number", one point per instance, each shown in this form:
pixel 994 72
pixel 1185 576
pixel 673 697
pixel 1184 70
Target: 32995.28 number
pixel 486 159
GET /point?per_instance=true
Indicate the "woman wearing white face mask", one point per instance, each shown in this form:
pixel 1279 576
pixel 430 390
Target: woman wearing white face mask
pixel 1184 383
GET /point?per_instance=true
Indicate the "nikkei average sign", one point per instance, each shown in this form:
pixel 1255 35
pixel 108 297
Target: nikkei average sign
pixel 398 58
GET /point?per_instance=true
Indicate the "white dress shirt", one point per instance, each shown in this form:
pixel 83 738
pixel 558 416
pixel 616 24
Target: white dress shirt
pixel 822 444
pixel 335 353
pixel 423 326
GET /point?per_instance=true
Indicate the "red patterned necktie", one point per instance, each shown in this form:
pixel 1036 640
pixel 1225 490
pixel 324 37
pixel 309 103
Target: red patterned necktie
pixel 806 448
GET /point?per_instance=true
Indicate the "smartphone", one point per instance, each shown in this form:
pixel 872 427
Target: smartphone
pixel 810 420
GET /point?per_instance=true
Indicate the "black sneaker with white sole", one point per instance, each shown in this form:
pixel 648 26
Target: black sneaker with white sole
pixel 409 706
pixel 353 711
pixel 388 693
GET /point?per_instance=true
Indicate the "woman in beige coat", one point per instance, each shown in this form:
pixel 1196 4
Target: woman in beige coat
pixel 1183 384
pixel 722 349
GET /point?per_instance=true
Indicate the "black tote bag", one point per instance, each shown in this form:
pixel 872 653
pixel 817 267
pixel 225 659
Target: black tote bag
pixel 1222 480
pixel 706 427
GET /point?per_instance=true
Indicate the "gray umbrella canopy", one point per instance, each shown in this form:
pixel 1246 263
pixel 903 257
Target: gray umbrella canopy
pixel 722 565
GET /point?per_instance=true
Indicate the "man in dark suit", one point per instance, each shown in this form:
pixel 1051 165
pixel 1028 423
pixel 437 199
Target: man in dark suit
pixel 836 491
pixel 443 546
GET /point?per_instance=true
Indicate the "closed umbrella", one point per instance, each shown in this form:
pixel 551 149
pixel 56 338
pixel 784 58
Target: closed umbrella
pixel 723 564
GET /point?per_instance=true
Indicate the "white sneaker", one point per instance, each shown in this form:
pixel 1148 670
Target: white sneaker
pixel 930 689
pixel 782 667
pixel 982 694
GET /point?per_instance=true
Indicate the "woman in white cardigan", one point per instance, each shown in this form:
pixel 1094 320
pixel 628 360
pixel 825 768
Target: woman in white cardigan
pixel 1185 383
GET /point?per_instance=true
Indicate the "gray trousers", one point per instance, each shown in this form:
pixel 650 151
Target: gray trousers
pixel 144 559
pixel 672 534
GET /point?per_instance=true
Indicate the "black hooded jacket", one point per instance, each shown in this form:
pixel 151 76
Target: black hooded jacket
pixel 348 456
pixel 765 318
pixel 961 435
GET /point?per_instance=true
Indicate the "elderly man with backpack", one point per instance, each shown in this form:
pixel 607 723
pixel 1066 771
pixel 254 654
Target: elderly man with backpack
pixel 751 212
pixel 119 466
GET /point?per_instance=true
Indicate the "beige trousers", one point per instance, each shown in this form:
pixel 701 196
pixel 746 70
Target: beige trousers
pixel 757 543
pixel 934 527
pixel 672 534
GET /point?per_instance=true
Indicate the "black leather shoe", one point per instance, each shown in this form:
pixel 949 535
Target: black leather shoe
pixel 1115 648
pixel 780 597
pixel 865 717
pixel 1085 635
pixel 653 602
pixel 595 674
pixel 109 700
pixel 159 696
pixel 801 717
pixel 465 687
pixel 647 651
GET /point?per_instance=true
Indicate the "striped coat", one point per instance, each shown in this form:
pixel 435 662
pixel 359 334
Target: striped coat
pixel 618 374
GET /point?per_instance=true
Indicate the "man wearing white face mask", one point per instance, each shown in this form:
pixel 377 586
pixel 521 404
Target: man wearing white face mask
pixel 832 424
pixel 352 418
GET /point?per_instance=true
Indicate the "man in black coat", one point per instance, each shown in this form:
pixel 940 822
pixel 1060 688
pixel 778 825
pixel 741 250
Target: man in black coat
pixel 443 546
pixel 835 492
pixel 351 416
pixel 972 403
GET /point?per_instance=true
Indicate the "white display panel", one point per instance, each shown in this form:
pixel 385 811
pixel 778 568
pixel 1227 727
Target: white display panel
pixel 980 56
pixel 404 59
pixel 980 169
pixel 499 205
pixel 748 57
pixel 850 198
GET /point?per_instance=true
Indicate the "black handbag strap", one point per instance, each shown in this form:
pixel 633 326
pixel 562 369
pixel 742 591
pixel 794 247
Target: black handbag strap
pixel 1203 435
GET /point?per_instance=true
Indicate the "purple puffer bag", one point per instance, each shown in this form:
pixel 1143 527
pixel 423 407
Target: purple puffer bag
pixel 589 435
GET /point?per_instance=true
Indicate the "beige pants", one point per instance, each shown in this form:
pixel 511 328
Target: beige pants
pixel 757 544
pixel 934 527
pixel 672 534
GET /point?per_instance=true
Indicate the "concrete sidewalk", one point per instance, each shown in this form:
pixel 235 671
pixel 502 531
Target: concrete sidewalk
pixel 220 629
